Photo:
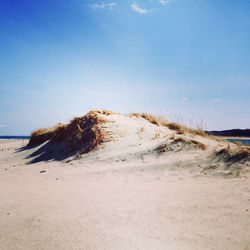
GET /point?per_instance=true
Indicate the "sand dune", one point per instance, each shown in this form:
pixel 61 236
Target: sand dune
pixel 137 185
pixel 111 138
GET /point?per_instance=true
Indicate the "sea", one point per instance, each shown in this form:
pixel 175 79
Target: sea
pixel 242 141
pixel 8 137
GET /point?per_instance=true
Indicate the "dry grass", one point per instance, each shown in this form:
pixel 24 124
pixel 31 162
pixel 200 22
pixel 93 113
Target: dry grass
pixel 179 144
pixel 193 143
pixel 156 120
pixel 84 133
pixel 103 112
pixel 163 149
pixel 240 153
pixel 182 129
pixel 177 127
pixel 81 134
pixel 151 118
pixel 58 133
pixel 199 144
pixel 40 136
pixel 161 121
pixel 157 136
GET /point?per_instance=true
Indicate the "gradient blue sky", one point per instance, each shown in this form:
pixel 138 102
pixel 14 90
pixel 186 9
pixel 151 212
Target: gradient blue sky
pixel 185 59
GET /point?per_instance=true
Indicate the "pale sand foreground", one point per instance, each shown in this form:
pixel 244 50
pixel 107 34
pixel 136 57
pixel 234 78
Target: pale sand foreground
pixel 118 206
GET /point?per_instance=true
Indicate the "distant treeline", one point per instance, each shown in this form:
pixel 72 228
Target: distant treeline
pixel 14 137
pixel 231 132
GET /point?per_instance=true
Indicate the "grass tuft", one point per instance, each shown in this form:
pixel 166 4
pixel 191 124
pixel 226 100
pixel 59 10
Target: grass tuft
pixel 103 112
pixel 156 120
pixel 81 134
pixel 161 121
pixel 241 153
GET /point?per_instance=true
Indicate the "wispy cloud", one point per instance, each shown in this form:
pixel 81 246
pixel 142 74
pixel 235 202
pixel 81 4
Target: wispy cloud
pixel 184 99
pixel 99 6
pixel 164 2
pixel 216 100
pixel 135 7
pixel 2 126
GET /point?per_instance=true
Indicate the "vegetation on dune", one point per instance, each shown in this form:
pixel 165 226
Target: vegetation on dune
pixel 193 143
pixel 40 136
pixel 180 143
pixel 239 153
pixel 161 121
pixel 156 120
pixel 104 112
pixel 82 133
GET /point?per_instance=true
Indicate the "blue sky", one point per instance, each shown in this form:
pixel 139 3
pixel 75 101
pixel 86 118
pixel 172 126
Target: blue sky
pixel 186 59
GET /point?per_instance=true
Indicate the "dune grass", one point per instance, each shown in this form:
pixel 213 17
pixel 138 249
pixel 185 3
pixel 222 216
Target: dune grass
pixel 81 133
pixel 40 136
pixel 194 143
pixel 239 153
pixel 104 112
pixel 161 121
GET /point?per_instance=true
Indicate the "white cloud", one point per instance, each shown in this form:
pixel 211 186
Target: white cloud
pixel 135 7
pixel 102 6
pixel 164 2
pixel 184 99
pixel 2 126
pixel 216 100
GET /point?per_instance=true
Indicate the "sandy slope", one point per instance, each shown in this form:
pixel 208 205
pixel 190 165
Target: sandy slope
pixel 125 195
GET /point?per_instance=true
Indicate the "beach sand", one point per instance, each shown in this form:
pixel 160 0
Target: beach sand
pixel 118 205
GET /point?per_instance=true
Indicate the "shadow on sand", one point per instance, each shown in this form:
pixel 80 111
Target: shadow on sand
pixel 46 152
